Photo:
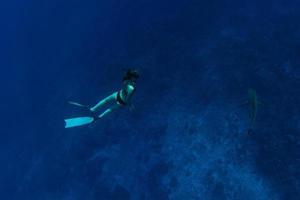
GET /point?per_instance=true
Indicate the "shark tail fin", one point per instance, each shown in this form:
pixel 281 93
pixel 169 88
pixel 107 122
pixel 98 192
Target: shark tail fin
pixel 244 103
pixel 260 103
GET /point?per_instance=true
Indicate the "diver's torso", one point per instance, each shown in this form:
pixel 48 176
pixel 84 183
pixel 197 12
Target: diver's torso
pixel 125 94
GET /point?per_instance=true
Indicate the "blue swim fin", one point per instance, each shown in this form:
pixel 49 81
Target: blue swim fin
pixel 78 121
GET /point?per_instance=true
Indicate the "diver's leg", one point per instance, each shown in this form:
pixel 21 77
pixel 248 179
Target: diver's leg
pixel 109 110
pixel 107 100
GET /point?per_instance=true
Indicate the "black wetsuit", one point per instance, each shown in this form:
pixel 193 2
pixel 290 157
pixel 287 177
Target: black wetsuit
pixel 125 92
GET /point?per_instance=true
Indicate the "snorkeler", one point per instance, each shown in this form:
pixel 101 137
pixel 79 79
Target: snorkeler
pixel 118 100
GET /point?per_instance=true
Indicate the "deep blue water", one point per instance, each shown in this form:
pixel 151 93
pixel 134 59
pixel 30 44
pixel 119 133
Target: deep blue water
pixel 187 138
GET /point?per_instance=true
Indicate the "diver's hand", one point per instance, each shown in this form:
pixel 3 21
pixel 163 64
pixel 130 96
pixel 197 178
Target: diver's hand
pixel 131 107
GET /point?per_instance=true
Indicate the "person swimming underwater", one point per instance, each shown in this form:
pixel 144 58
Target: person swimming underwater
pixel 118 100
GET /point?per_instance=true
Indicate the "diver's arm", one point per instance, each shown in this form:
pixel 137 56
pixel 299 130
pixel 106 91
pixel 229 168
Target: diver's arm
pixel 130 92
pixel 131 106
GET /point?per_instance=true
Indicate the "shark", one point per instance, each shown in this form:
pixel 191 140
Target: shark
pixel 253 104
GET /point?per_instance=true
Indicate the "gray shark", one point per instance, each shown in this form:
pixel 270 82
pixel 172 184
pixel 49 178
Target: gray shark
pixel 253 104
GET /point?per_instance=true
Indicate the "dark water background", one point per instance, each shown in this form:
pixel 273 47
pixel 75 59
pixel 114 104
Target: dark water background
pixel 187 138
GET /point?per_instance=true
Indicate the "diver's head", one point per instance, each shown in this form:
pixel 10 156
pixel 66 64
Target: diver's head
pixel 131 75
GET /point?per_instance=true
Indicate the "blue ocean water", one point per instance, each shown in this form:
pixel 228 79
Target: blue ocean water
pixel 188 137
